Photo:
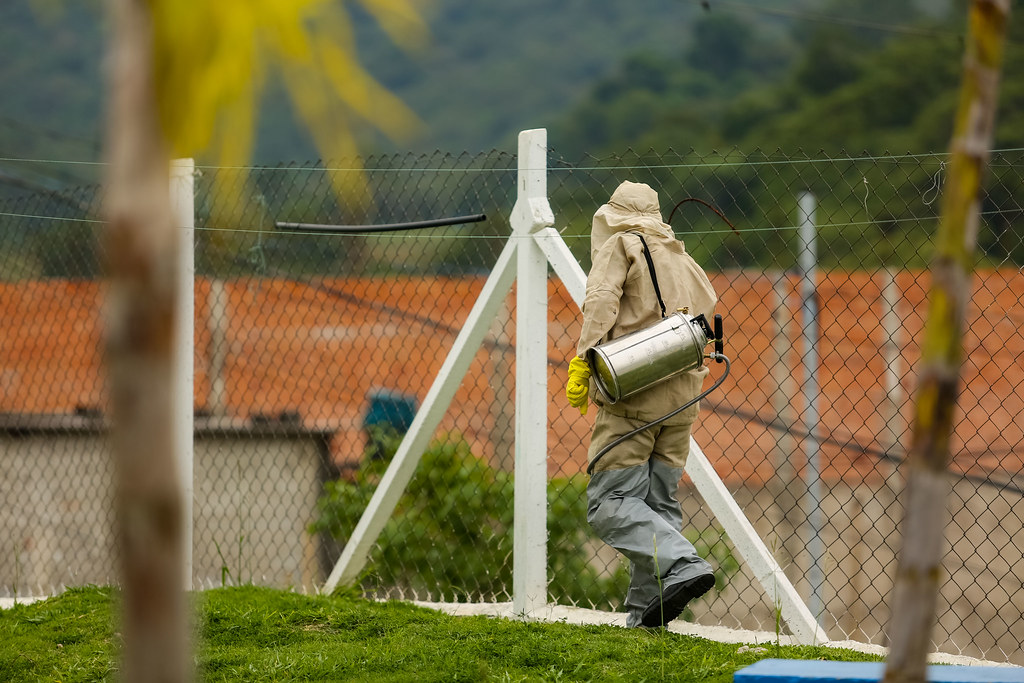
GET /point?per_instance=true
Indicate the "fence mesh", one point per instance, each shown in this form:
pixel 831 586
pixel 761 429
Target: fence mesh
pixel 314 351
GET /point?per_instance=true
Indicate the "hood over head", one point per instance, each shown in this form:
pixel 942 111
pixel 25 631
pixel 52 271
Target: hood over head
pixel 632 206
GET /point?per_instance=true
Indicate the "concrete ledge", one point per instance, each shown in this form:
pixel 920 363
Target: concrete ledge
pixel 721 634
pixel 7 603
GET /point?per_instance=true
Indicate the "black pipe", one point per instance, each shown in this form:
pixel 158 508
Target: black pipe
pixel 382 227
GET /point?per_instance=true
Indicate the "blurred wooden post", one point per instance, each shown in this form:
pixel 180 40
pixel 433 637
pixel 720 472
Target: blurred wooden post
pixel 916 589
pixel 142 248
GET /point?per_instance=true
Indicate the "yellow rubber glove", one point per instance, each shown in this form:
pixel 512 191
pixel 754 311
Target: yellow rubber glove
pixel 578 387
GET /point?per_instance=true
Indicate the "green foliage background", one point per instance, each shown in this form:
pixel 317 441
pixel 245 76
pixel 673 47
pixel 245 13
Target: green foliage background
pixel 625 72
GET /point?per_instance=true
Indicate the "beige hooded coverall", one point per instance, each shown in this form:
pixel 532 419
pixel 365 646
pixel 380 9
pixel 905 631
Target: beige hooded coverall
pixel 632 501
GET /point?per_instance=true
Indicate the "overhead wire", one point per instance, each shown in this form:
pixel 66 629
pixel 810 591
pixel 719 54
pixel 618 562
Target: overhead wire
pixel 771 228
pixel 564 165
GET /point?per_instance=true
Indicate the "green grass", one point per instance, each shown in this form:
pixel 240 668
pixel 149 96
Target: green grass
pixel 250 633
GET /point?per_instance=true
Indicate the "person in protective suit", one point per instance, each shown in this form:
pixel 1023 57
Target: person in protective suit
pixel 632 504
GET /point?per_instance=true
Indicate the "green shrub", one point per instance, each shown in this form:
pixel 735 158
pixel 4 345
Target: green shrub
pixel 450 536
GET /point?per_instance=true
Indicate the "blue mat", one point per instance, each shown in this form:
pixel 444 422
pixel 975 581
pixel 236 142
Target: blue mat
pixel 815 671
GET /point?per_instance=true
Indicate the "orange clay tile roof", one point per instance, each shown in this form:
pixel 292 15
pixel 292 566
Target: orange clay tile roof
pixel 320 347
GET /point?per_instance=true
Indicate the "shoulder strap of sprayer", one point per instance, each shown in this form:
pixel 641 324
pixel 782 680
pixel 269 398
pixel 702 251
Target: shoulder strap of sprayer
pixel 654 274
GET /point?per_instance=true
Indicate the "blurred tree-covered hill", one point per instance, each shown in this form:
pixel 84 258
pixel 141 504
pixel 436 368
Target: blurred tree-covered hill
pixel 885 79
pixel 488 70
pixel 858 111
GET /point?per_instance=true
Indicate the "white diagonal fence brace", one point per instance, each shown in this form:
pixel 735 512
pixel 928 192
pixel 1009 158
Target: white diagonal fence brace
pixel 534 245
pixel 410 450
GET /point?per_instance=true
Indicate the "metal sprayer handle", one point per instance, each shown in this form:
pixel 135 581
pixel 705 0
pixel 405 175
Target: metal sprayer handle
pixel 719 346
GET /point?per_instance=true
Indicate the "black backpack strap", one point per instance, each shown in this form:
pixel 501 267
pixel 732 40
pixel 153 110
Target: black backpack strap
pixel 654 274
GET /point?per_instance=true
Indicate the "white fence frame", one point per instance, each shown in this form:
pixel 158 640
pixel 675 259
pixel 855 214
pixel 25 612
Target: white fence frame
pixel 532 246
pixel 182 194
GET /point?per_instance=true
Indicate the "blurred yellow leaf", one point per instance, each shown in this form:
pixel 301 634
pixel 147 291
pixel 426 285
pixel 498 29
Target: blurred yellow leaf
pixel 212 59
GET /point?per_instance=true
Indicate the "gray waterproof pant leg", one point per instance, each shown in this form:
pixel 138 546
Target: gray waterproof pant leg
pixel 635 511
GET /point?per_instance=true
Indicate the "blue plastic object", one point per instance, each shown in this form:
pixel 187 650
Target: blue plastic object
pixel 816 671
pixel 390 407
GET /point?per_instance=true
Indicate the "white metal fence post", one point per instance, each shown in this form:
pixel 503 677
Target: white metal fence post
pixel 530 214
pixel 182 193
pixel 892 346
pixel 808 258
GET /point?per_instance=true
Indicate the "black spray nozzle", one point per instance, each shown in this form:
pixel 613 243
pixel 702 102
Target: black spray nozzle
pixel 719 346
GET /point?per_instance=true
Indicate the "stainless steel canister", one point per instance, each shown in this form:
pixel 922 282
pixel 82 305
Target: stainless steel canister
pixel 641 359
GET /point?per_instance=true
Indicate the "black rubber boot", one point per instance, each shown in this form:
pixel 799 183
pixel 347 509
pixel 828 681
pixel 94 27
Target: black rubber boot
pixel 671 604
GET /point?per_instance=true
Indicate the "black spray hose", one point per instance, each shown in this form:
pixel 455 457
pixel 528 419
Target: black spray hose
pixel 714 356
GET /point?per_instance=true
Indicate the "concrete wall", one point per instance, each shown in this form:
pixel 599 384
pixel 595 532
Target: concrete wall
pixel 255 495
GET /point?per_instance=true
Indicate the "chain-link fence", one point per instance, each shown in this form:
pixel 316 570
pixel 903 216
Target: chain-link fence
pixel 314 351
